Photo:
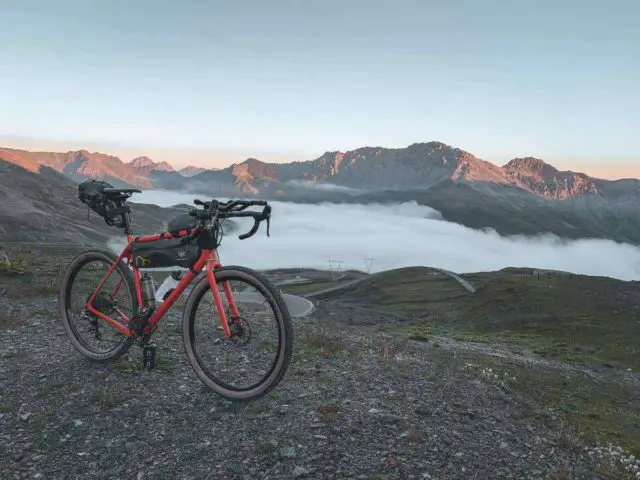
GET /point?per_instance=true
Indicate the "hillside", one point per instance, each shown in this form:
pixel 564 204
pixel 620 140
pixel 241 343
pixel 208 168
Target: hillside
pixel 41 205
pixel 82 164
pixel 518 321
pixel 371 401
pixel 600 316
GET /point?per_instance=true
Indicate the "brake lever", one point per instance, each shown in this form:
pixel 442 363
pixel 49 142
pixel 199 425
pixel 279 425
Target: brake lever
pixel 267 214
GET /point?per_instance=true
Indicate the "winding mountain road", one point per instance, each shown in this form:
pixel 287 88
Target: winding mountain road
pixel 464 283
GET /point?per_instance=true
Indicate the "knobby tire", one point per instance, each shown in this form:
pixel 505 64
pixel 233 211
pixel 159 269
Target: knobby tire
pixel 283 318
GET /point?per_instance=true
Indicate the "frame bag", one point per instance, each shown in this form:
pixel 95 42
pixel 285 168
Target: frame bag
pixel 175 252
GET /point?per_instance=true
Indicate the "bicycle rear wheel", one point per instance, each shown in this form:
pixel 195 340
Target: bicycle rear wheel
pixel 264 325
pixel 92 337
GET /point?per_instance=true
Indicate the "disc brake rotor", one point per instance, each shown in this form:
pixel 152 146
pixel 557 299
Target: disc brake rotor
pixel 102 303
pixel 240 331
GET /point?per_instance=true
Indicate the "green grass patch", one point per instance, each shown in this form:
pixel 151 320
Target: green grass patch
pixel 165 362
pixel 99 397
pixel 605 409
pixel 315 344
pixel 123 365
pixel 304 288
pixel 420 331
pixel 471 337
pixel 605 412
pixel 572 319
pixel 266 449
pixel 15 263
pixel 577 319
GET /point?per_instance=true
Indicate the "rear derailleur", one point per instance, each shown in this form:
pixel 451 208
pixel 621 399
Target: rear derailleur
pixel 105 305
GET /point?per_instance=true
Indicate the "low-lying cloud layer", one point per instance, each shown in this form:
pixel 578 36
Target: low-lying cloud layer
pixel 310 184
pixel 403 235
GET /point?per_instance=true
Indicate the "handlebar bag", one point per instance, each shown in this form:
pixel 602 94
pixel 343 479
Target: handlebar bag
pixel 181 222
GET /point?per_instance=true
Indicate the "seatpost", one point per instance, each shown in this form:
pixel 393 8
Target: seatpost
pixel 126 216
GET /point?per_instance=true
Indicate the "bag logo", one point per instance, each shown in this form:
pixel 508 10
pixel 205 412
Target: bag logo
pixel 142 262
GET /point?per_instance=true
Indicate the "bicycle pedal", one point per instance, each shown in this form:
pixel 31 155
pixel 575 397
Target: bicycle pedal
pixel 149 357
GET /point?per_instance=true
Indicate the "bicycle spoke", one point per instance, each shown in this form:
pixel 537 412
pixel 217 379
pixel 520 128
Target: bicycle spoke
pixel 233 361
pixel 112 300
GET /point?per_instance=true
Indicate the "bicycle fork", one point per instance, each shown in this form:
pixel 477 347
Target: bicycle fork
pixel 218 299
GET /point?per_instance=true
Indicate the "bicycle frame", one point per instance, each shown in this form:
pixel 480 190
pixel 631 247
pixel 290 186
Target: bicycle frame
pixel 207 261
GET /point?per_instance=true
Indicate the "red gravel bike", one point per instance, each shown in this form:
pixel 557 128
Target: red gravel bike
pixel 114 315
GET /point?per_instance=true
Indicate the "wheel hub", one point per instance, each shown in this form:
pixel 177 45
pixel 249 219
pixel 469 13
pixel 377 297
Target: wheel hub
pixel 240 331
pixel 102 303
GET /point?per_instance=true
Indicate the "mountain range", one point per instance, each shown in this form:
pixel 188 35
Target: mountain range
pixel 524 196
pixel 81 164
pixel 364 170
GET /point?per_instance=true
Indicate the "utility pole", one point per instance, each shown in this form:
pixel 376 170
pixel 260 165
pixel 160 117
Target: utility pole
pixel 334 272
pixel 368 263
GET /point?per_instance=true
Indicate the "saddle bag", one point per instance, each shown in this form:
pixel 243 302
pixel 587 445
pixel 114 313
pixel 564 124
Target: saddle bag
pixel 91 193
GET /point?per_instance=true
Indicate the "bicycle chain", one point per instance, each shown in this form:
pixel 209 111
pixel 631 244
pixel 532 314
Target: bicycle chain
pixel 141 326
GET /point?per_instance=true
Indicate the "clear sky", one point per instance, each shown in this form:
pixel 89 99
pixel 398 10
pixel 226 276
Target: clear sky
pixel 292 79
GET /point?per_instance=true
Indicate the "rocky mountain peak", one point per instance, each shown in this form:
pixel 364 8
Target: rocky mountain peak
pixel 529 165
pixel 251 169
pixel 144 163
pixel 191 170
pixel 547 181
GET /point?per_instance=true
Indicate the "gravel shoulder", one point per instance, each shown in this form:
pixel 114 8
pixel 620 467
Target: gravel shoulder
pixel 353 405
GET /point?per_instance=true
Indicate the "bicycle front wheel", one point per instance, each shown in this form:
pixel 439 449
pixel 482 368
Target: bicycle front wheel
pixel 256 357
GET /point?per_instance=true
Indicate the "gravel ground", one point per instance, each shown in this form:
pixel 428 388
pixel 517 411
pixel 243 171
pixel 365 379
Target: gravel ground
pixel 364 409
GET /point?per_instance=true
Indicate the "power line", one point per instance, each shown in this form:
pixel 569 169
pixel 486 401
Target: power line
pixel 337 270
pixel 368 263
